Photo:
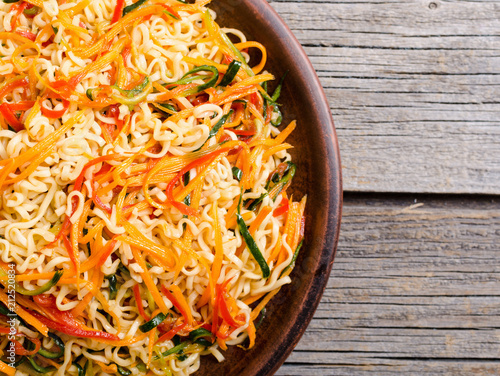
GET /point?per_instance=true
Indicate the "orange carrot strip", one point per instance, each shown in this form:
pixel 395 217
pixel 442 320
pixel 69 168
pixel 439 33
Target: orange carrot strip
pixel 8 370
pixel 264 212
pixel 108 368
pixel 150 346
pixel 149 281
pixel 25 315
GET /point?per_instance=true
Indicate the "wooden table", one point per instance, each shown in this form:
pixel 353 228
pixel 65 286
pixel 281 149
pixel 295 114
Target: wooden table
pixel 414 88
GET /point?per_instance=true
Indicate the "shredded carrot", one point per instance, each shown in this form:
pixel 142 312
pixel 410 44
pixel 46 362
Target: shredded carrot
pixel 25 315
pixel 274 150
pixel 251 334
pixel 149 281
pixel 8 370
pixel 150 346
pixel 108 368
pixel 264 212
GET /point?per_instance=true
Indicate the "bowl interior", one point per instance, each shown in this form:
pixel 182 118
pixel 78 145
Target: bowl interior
pixel 318 176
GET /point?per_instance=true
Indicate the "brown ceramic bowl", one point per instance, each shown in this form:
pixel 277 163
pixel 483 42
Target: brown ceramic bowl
pixel 318 175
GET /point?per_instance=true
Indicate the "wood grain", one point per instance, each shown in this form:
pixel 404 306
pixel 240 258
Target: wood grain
pixel 414 290
pixel 413 87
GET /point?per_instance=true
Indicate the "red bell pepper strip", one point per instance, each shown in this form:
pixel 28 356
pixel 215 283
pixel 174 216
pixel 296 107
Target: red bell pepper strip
pixel 126 53
pixel 79 180
pixel 107 251
pixel 138 301
pixel 27 34
pixel 171 333
pixel 215 316
pixel 21 106
pixel 17 9
pixel 117 14
pixel 282 209
pixel 174 301
pixel 11 118
pixel 20 350
pixel 114 111
pixel 77 187
pixel 72 330
pixel 227 59
pixel 239 132
pixel 55 114
pixel 19 81
pixel 100 204
pixel 69 248
pixel 224 310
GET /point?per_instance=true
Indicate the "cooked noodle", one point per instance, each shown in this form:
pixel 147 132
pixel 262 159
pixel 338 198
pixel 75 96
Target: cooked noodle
pixel 143 185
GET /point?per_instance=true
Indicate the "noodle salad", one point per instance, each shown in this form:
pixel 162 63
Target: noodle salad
pixel 143 179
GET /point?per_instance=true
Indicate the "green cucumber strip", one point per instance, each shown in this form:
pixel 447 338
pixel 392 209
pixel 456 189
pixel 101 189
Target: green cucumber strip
pixel 39 368
pixel 153 323
pixel 232 71
pixel 287 177
pixel 199 333
pixel 294 258
pixel 277 91
pixel 237 173
pixel 53 355
pixel 250 242
pixel 202 68
pixel 113 290
pixel 57 276
pixel 219 124
pixel 123 371
pixel 132 7
pixel 174 350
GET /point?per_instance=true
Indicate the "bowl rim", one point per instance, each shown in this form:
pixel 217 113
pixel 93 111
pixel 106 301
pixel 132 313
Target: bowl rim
pixel 309 79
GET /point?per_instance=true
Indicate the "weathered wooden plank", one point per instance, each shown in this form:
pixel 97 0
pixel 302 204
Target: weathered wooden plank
pixel 413 87
pixel 414 290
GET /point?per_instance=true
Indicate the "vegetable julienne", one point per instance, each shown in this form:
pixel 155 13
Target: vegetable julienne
pixel 144 187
